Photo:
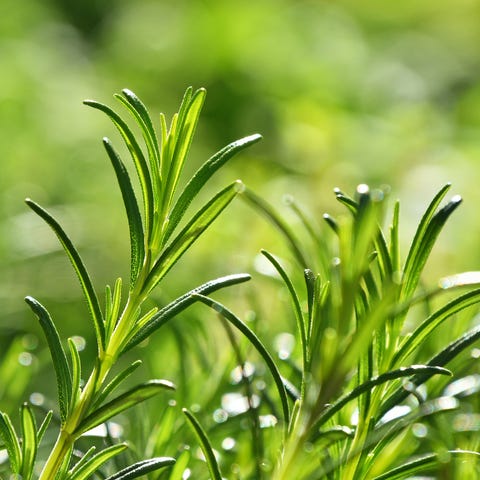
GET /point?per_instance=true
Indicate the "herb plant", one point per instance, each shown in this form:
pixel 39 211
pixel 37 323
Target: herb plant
pixel 158 239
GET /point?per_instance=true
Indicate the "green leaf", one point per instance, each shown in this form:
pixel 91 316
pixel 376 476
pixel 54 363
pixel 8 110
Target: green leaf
pixel 265 209
pixel 116 381
pixel 128 399
pixel 255 341
pixel 80 269
pixel 197 225
pixel 201 177
pixel 112 306
pixel 59 359
pixel 12 444
pixel 373 382
pixel 182 303
pixel 423 464
pixel 84 470
pixel 137 240
pixel 142 468
pixel 138 160
pixel 205 445
pixel 142 117
pixel 29 441
pixel 421 333
pixel 441 359
pixel 76 373
pixel 188 119
pixel 44 425
pixel 297 309
pixel 424 239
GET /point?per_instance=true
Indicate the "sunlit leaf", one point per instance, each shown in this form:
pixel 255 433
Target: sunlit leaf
pixel 59 359
pixel 142 468
pixel 86 283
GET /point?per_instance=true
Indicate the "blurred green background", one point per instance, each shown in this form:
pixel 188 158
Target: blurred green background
pixel 344 92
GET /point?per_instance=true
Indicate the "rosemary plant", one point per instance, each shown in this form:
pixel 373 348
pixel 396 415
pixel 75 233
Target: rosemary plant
pixel 361 382
pixel 157 242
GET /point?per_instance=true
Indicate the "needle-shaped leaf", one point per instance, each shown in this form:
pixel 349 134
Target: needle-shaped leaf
pixel 379 380
pixel 205 445
pixel 44 425
pixel 440 359
pixel 180 304
pixel 187 124
pixel 59 359
pixel 297 309
pixel 425 464
pixel 138 110
pixel 76 372
pixel 84 470
pixel 11 442
pixel 190 233
pixel 255 341
pixel 138 160
pixel 115 382
pixel 142 468
pixel 137 241
pixel 424 239
pixel 128 399
pixel 201 177
pixel 422 332
pixel 29 441
pixel 79 268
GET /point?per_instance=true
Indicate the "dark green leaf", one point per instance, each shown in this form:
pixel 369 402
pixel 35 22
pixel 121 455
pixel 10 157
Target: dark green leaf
pixel 255 341
pixel 142 468
pixel 205 445
pixel 373 382
pixel 128 399
pixel 59 359
pixel 138 160
pixel 137 241
pixel 80 269
pixel 201 177
pixel 181 303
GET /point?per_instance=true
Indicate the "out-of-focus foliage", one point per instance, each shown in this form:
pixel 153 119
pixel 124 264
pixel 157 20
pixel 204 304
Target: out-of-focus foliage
pixel 344 92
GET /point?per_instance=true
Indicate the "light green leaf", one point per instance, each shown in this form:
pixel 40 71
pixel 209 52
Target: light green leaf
pixel 80 269
pixel 205 445
pixel 84 470
pixel 12 444
pixel 128 399
pixel 76 373
pixel 422 332
pixel 201 177
pixel 29 441
pixel 187 122
pixel 59 359
pixel 190 233
pixel 115 382
pixel 424 239
pixel 441 359
pixel 137 240
pixel 182 303
pixel 142 468
pixel 44 425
